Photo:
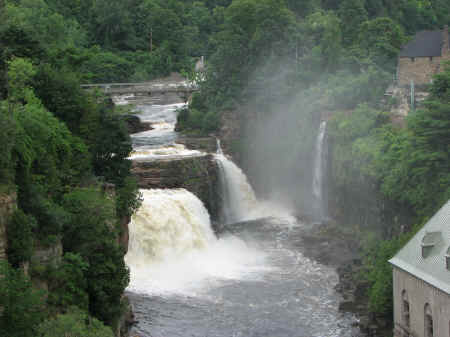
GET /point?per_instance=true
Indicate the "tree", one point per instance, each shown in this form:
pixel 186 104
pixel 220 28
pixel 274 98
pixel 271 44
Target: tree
pixel 20 240
pixel 74 322
pixel 352 13
pixel 22 304
pixel 380 40
pixel 68 286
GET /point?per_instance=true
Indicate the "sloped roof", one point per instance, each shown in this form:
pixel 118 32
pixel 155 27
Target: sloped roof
pixel 426 43
pixel 431 268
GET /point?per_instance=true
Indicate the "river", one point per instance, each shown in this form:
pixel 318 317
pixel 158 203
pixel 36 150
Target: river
pixel 253 280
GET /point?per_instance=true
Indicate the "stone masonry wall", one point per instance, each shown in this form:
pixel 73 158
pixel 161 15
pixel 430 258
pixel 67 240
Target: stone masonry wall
pixel 420 70
pixel 418 294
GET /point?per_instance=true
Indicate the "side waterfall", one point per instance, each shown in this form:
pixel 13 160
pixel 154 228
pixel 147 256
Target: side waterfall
pixel 318 172
pixel 238 196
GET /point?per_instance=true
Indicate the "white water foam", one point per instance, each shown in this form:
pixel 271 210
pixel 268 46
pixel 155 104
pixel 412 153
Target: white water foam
pixel 172 248
pixel 167 152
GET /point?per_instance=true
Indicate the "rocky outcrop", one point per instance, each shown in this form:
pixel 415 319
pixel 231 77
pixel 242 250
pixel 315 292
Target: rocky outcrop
pixel 230 132
pixel 8 204
pixel 135 124
pixel 203 144
pixel 44 258
pixel 198 175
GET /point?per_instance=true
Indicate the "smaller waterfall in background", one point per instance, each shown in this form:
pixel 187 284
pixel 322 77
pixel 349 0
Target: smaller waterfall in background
pixel 318 173
pixel 238 197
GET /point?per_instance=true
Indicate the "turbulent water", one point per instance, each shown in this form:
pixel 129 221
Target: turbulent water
pixel 162 119
pixel 318 174
pixel 252 281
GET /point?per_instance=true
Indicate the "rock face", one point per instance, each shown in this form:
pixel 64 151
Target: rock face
pixel 8 204
pixel 198 175
pixel 135 124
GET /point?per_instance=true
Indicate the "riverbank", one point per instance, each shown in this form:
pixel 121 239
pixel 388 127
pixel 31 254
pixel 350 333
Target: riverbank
pixel 330 244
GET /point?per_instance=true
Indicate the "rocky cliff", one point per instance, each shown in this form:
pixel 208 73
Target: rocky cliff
pixel 8 204
pixel 198 175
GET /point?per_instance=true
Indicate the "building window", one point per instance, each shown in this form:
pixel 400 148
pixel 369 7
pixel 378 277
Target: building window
pixel 413 59
pixel 431 58
pixel 428 321
pixel 405 308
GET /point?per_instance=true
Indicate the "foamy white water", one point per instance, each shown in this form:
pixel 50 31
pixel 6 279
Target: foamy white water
pixel 172 248
pixel 171 151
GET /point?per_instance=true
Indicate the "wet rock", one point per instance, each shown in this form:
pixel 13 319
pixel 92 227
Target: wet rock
pixel 135 124
pixel 198 175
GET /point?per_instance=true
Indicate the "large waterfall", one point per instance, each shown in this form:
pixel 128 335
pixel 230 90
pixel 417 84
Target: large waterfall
pixel 318 173
pixel 237 195
pixel 172 247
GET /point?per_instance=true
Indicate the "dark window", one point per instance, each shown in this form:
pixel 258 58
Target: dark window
pixel 413 59
pixel 428 321
pixel 405 309
pixel 431 58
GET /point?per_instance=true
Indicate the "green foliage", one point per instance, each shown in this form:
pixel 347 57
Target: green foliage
pixel 20 240
pixel 75 322
pixel 195 120
pixel 22 304
pixel 378 272
pixel 49 28
pixel 91 233
pixel 7 139
pixel 68 283
pixel 380 40
pixel 352 14
pixel 128 198
pixel 92 216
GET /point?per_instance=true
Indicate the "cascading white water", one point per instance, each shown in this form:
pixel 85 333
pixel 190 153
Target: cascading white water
pixel 237 195
pixel 172 247
pixel 317 186
pixel 169 223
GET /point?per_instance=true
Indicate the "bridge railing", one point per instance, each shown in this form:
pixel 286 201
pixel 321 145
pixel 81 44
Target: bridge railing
pixel 142 86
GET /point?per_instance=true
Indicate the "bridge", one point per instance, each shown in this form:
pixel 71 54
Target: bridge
pixel 159 91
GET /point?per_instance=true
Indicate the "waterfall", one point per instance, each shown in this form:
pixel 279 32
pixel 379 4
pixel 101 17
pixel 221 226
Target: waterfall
pixel 238 198
pixel 318 172
pixel 172 247
pixel 168 223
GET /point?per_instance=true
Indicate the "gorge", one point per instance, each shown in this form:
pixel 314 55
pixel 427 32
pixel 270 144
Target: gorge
pixel 234 268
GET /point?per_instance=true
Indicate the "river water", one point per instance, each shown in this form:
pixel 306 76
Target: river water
pixel 253 280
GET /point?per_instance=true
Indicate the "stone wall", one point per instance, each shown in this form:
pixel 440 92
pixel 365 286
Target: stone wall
pixel 418 69
pixel 418 294
pixel 198 175
pixel 422 69
pixel 8 204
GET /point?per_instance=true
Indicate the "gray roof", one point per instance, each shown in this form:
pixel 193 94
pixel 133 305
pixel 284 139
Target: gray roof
pixel 424 44
pixel 431 266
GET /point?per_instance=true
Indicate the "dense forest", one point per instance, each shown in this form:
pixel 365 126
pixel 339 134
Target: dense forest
pixel 63 151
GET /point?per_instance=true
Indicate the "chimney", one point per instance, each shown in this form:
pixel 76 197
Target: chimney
pixel 445 42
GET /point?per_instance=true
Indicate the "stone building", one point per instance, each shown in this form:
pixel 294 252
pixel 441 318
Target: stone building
pixel 421 281
pixel 423 57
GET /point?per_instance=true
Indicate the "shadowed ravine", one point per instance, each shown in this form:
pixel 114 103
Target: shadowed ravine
pixel 253 280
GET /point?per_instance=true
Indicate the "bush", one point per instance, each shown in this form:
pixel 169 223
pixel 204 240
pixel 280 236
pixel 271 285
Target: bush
pixel 22 304
pixel 20 239
pixel 68 283
pixel 74 323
